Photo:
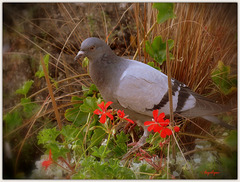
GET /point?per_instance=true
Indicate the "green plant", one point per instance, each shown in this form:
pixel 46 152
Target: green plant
pixel 165 11
pixel 83 141
pixel 225 82
pixel 157 49
pixel 14 118
pixel 40 72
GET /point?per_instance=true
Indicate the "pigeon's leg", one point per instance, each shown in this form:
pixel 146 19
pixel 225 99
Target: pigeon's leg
pixel 139 144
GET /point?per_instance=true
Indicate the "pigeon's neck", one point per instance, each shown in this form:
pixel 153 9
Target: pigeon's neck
pixel 106 71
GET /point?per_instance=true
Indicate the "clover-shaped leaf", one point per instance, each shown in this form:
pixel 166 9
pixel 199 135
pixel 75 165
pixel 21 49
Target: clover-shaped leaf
pixel 165 11
pixel 157 49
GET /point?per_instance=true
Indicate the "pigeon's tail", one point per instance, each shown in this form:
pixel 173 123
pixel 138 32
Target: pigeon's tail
pixel 205 108
pixel 215 120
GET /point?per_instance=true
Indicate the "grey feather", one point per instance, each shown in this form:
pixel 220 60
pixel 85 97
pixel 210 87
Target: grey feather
pixel 215 120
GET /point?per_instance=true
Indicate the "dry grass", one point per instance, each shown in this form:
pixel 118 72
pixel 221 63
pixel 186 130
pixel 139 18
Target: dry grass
pixel 203 34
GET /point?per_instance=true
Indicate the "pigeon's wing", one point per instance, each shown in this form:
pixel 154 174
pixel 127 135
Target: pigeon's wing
pixel 144 89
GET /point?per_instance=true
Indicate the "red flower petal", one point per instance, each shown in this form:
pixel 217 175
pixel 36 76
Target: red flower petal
pixel 155 114
pixel 101 105
pixel 50 154
pixel 103 118
pixel 165 123
pixel 46 164
pixel 121 114
pixel 160 120
pixel 162 115
pixel 108 104
pixel 163 134
pixel 157 128
pixel 150 128
pixel 129 120
pixel 146 123
pixel 97 111
pixel 109 115
pixel 168 131
pixel 176 129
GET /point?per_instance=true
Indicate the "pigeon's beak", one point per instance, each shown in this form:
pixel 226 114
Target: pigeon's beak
pixel 79 54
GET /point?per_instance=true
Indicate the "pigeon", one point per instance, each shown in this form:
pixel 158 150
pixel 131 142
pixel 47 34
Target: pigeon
pixel 138 88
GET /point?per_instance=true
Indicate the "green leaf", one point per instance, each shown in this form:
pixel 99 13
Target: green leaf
pixel 69 132
pixel 151 63
pixel 120 172
pixel 29 107
pixel 93 169
pixel 48 136
pixel 88 162
pixel 77 99
pixel 222 78
pixel 97 136
pixel 58 150
pixel 40 72
pixel 12 120
pixel 76 116
pixel 229 165
pixel 99 152
pixel 231 140
pixel 91 91
pixel 122 138
pixel 165 11
pixel 157 49
pixel 25 88
pixel 121 147
pixel 85 62
pixel 55 83
pixel 154 139
pixel 89 105
pixel 146 169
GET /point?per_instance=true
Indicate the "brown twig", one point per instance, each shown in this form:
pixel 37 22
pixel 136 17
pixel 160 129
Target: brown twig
pixel 49 85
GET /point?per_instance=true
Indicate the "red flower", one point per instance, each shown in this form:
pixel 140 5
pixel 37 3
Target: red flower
pixel 121 115
pixel 158 124
pixel 176 129
pixel 154 124
pixel 104 113
pixel 164 123
pixel 48 162
pixel 165 132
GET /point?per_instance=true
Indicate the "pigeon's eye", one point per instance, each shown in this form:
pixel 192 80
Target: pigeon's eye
pixel 92 48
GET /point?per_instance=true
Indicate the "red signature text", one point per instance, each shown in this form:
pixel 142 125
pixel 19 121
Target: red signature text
pixel 208 173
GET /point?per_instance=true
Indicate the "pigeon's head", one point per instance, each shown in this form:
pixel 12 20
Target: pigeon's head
pixel 93 48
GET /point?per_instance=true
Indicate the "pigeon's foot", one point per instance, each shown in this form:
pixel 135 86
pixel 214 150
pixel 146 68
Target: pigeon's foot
pixel 136 146
pixel 132 144
pixel 132 150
